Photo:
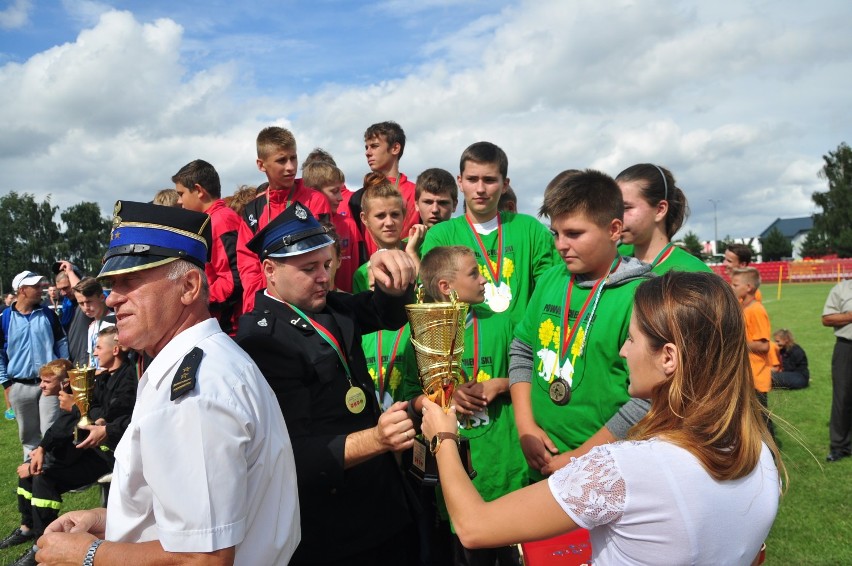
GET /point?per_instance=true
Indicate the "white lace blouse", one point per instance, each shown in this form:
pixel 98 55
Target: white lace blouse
pixel 651 502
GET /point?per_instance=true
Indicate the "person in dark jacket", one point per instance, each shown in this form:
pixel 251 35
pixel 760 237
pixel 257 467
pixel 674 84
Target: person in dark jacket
pixel 794 372
pixel 307 342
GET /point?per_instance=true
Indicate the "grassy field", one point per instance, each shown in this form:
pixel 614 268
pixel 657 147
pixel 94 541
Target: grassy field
pixel 816 512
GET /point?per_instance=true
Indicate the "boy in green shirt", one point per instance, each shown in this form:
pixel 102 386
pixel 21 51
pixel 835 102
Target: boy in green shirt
pixel 566 375
pixel 483 400
pixel 512 249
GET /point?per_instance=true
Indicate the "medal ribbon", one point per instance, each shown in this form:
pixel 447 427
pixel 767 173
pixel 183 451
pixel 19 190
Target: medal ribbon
pixel 498 272
pixel 475 348
pixel 663 255
pixel 328 337
pixel 595 293
pixel 381 374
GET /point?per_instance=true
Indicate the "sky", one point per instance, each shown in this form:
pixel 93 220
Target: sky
pixel 101 101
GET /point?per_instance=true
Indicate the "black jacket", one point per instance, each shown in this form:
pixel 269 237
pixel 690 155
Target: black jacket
pixel 343 512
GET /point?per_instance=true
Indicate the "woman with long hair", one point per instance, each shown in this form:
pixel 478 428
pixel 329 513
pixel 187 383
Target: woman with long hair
pixel 697 480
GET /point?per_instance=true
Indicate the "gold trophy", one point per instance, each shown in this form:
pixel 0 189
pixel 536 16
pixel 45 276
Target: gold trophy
pixel 437 334
pixel 82 382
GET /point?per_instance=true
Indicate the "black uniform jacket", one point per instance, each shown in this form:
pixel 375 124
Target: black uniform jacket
pixel 342 511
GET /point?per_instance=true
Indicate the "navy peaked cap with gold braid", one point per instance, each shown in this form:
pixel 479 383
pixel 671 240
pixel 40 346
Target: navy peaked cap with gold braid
pixel 146 235
pixel 293 232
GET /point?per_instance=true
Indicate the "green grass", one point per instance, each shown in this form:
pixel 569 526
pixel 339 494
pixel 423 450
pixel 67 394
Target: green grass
pixel 815 516
pixel 10 518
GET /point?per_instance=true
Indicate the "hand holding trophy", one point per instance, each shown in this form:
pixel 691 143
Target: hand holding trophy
pixel 437 334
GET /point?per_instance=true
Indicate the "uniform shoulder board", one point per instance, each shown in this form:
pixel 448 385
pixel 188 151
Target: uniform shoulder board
pixel 185 377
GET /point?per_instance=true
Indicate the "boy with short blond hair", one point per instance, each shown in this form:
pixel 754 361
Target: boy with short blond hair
pixel 745 282
pixel 483 400
pixel 512 250
pixel 277 158
pixel 329 180
pixel 567 378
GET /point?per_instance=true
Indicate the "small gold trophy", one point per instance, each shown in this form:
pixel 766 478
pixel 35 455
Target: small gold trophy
pixel 437 334
pixel 82 381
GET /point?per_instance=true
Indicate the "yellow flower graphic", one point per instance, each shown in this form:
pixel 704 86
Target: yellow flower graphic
pixel 545 332
pixel 482 376
pixel 396 379
pixel 578 342
pixel 484 272
pixel 508 268
pixel 556 343
pixel 372 373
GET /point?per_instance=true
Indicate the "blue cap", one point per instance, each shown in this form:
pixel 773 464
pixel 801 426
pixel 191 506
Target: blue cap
pixel 146 235
pixel 293 232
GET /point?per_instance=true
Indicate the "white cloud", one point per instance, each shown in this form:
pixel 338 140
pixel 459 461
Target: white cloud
pixel 738 102
pixel 16 15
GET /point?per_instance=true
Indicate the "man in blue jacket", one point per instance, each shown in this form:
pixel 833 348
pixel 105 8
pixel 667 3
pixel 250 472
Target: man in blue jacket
pixel 30 336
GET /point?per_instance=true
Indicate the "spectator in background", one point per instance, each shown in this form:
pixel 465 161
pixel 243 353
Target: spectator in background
pixel 794 372
pixel 197 184
pixel 837 314
pixel 738 256
pixel 30 336
pixel 242 196
pixel 437 196
pixel 508 200
pixel 167 197
pixel 92 301
pixel 329 180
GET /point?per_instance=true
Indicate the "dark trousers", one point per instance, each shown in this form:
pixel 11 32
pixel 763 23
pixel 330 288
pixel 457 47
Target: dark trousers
pixel 764 402
pixel 789 380
pixel 840 425
pixel 502 556
pixel 40 497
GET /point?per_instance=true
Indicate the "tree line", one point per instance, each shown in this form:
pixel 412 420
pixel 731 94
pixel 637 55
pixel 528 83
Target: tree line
pixel 31 238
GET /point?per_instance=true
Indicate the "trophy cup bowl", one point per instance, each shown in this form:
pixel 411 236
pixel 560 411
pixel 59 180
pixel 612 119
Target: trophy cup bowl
pixel 437 334
pixel 82 382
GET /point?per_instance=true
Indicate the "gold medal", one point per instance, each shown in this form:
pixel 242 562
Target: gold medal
pixel 355 400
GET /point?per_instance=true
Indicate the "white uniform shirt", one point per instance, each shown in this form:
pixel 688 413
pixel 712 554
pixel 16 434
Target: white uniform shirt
pixel 651 502
pixel 212 469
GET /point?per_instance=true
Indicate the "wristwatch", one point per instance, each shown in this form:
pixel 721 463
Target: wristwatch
pixel 89 560
pixel 435 443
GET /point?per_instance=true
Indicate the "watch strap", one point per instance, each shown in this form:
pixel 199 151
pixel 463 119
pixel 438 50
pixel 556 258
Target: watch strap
pixel 440 437
pixel 89 560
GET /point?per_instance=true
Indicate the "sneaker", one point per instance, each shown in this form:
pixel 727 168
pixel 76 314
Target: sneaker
pixel 9 414
pixel 26 559
pixel 17 537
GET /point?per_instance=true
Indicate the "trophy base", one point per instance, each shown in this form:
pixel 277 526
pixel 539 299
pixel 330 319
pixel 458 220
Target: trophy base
pixel 80 434
pixel 424 467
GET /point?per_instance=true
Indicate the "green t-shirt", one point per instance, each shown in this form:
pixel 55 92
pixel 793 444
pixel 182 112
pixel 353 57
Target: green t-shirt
pixel 680 260
pixel 528 252
pixel 495 450
pixel 361 279
pixel 600 378
pixel 394 354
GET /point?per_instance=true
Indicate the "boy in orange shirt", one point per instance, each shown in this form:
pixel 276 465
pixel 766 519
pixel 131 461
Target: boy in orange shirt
pixel 745 282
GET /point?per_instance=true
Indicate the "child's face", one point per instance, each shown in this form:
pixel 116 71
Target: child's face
pixel 468 282
pixel 104 351
pixel 50 384
pixel 740 286
pixel 585 247
pixel 384 221
pixel 482 184
pixel 380 156
pixel 190 199
pixel 780 340
pixel 334 194
pixel 94 306
pixel 434 208
pixel 640 218
pixel 280 167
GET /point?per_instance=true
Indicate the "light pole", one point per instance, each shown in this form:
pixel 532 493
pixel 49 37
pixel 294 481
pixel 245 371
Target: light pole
pixel 715 224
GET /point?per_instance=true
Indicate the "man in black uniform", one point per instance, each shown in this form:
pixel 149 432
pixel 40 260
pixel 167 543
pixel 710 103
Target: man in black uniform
pixel 307 342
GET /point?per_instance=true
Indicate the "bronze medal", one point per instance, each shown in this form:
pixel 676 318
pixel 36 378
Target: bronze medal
pixel 560 392
pixel 355 400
